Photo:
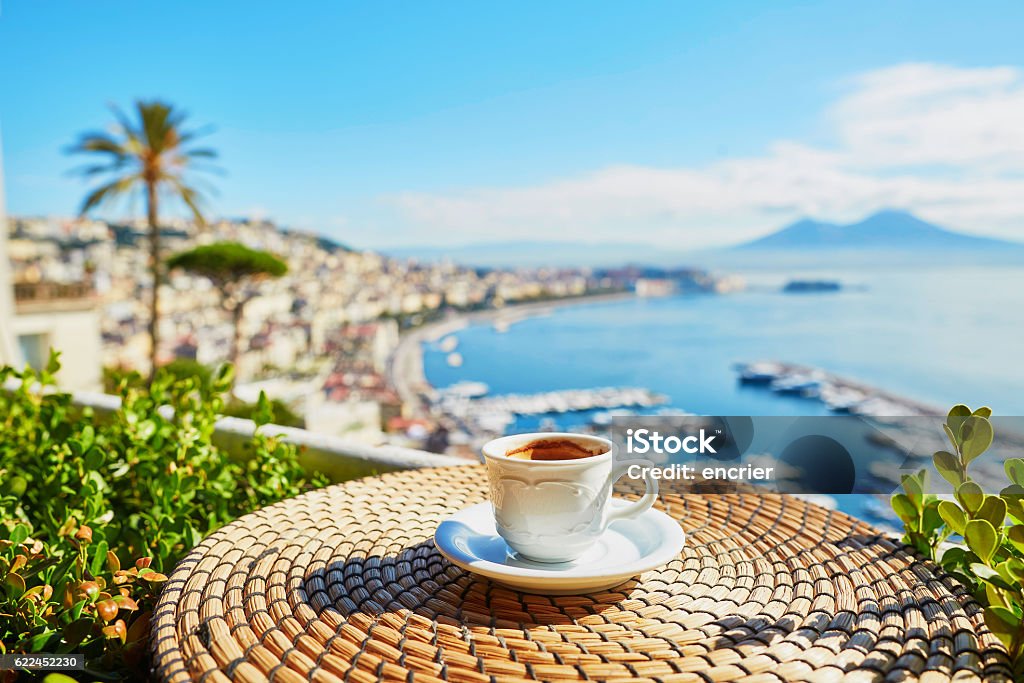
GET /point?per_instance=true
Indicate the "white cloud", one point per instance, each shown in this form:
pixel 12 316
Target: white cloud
pixel 945 142
pixel 926 114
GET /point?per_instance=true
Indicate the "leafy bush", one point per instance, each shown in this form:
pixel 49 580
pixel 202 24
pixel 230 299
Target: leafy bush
pixel 988 556
pixel 116 379
pixel 95 512
pixel 283 414
pixel 179 368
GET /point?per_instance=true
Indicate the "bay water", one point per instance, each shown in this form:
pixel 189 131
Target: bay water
pixel 939 335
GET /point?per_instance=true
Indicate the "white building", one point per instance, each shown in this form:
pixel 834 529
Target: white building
pixel 47 316
pixel 7 348
pixel 65 318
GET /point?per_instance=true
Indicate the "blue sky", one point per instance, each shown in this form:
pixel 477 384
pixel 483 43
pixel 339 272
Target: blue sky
pixel 427 123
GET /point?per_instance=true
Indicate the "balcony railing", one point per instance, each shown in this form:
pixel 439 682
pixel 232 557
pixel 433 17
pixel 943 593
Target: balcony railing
pixel 34 296
pixel 51 291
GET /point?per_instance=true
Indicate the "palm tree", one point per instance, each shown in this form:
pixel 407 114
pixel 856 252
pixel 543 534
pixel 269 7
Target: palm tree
pixel 151 153
pixel 232 268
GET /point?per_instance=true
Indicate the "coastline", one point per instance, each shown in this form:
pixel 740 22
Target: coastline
pixel 405 370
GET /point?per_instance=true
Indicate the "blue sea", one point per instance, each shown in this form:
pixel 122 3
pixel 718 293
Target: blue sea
pixel 941 335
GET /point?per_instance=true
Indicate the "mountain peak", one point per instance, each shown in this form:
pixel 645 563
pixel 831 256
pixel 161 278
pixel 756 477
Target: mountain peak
pixel 890 214
pixel 893 218
pixel 807 222
pixel 882 230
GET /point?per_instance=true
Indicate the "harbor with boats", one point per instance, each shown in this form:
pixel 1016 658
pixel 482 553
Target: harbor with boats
pixel 840 395
pixel 760 353
pixel 476 412
pixel 472 410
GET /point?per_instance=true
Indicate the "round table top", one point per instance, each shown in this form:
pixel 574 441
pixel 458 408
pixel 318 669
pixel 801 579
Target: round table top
pixel 345 584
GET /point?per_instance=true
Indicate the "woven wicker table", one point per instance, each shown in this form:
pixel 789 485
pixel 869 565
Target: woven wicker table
pixel 344 584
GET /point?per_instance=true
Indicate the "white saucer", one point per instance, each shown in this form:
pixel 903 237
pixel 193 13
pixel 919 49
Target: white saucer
pixel 629 547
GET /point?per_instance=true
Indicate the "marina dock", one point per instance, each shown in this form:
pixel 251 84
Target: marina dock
pixel 840 394
pixel 466 403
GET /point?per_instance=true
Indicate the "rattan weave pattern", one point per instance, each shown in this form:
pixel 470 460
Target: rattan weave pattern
pixel 344 584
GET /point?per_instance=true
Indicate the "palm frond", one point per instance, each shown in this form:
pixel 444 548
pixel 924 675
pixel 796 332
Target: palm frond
pixel 156 129
pixel 189 135
pixel 147 145
pixel 191 197
pixel 126 126
pixel 89 170
pixel 108 192
pixel 204 187
pixel 98 142
pixel 200 153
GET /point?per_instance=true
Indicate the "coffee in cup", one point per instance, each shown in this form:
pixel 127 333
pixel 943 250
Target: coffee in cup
pixel 554 449
pixel 551 492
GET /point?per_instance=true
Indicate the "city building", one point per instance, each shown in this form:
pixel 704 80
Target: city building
pixel 320 338
pixel 7 348
pixel 65 318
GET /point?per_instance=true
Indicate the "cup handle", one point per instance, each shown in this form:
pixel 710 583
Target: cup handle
pixel 644 504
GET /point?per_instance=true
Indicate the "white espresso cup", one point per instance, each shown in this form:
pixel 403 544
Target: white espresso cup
pixel 554 510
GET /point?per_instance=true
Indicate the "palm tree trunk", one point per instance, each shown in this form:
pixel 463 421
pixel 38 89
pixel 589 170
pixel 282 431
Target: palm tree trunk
pixel 155 270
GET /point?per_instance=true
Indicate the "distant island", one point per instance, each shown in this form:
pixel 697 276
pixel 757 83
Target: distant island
pixel 888 230
pixel 811 286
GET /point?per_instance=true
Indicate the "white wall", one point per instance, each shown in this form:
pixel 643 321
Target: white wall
pixel 355 420
pixel 8 350
pixel 76 334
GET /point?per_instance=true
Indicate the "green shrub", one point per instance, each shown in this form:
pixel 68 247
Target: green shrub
pixel 115 380
pixel 179 368
pixel 988 555
pixel 283 414
pixel 95 512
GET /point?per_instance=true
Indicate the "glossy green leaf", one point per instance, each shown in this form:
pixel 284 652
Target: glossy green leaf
pixel 981 538
pixel 113 564
pixel 14 486
pixel 99 557
pixel 264 413
pixel 956 416
pixel 986 573
pixel 14 584
pixel 1003 623
pixel 42 642
pixel 951 556
pixel 904 507
pixel 1012 570
pixel 1015 534
pixel 1013 496
pixel 993 510
pixel 75 632
pixel 1014 468
pixel 970 496
pixel 58 678
pixel 53 362
pixel 953 516
pixel 948 466
pixel 984 411
pixel 930 518
pixel 224 377
pixel 18 534
pixel 952 436
pixel 975 437
pixel 93 459
pixel 995 596
pixel 87 437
